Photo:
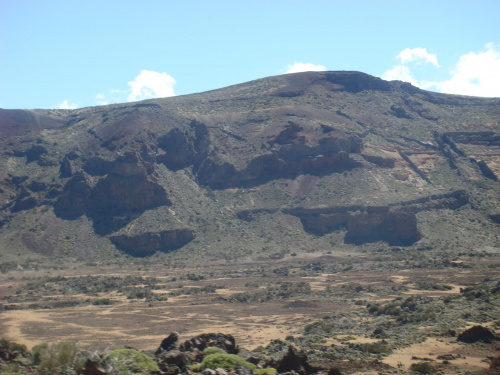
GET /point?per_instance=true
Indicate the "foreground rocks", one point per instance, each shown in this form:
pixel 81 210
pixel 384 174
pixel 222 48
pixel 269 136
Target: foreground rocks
pixel 208 353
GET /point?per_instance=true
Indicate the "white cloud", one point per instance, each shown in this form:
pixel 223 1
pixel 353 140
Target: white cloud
pixel 399 73
pixel 101 99
pixel 150 84
pixel 474 74
pixel 297 67
pixel 66 105
pixel 418 54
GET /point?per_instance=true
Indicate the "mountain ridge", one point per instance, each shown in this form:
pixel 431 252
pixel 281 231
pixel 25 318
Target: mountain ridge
pixel 202 175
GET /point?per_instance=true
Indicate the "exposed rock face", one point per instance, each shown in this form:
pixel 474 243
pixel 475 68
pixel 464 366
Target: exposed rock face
pixel 397 225
pixel 72 203
pixel 184 149
pixel 148 243
pixel 330 155
pixel 128 165
pixel 117 198
pixel 25 203
pixel 35 152
pixel 377 224
pixel 394 227
pixel 65 170
pixel 116 193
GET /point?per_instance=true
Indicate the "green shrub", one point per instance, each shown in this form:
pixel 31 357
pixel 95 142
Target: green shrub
pixel 129 361
pixel 423 368
pixel 11 369
pixel 376 348
pixel 213 350
pixel 57 358
pixel 265 371
pixel 225 361
pixel 37 353
pixel 13 346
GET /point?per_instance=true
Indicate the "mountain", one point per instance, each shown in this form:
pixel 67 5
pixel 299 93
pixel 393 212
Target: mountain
pixel 305 162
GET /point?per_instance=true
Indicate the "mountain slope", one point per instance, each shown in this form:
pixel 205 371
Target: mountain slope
pixel 318 161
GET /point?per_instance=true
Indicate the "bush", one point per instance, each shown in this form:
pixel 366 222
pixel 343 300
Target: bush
pixel 376 348
pixel 213 350
pixel 57 358
pixel 13 346
pixel 225 361
pixel 265 371
pixel 423 368
pixel 129 361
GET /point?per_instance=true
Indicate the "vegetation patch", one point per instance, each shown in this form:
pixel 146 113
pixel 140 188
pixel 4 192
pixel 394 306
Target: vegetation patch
pixel 129 361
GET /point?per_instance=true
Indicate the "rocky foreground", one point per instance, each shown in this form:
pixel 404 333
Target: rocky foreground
pixel 208 354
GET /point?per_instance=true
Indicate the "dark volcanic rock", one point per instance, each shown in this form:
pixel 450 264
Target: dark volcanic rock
pixel 269 167
pixel 35 152
pixel 290 134
pixel 112 203
pixel 179 150
pixel 292 360
pixel 93 368
pixel 355 81
pixel 128 165
pixel 72 202
pixel 477 333
pixel 65 170
pixel 116 193
pixel 36 186
pixel 205 340
pixel 396 228
pixel 486 171
pixel 26 203
pixel 184 148
pixel 396 224
pixel 18 180
pixel 169 343
pixel 174 357
pixel 148 243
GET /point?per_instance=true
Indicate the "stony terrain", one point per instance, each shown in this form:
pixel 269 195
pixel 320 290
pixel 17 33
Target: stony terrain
pixel 352 218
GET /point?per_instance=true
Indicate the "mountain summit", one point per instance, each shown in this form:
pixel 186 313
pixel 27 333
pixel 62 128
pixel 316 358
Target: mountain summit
pixel 317 161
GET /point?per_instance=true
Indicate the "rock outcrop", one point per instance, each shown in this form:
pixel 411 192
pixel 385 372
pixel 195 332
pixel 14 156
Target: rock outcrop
pixel 148 243
pixel 477 334
pixel 292 158
pixel 125 190
pixel 395 224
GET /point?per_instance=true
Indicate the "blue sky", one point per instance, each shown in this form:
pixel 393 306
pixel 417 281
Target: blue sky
pixel 72 54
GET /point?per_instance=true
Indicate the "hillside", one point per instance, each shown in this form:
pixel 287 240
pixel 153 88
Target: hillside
pixel 298 163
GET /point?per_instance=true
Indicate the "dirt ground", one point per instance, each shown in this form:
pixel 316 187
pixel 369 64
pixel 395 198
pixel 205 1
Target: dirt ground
pixel 142 325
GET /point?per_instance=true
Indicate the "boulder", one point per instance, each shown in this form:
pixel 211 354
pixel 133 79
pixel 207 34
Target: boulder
pixel 292 360
pixel 205 340
pixel 477 333
pixel 93 368
pixel 174 357
pixel 169 343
